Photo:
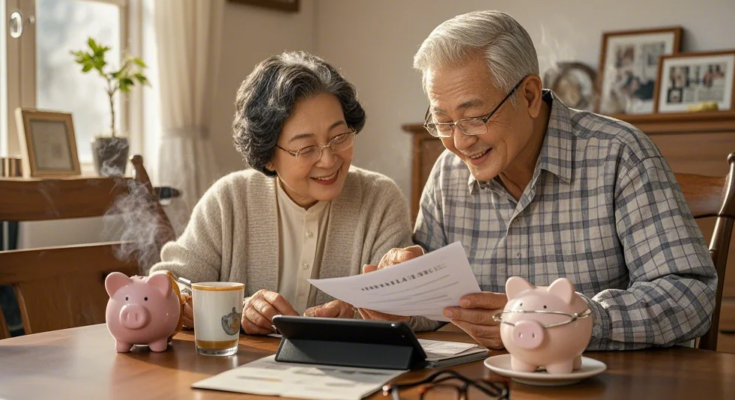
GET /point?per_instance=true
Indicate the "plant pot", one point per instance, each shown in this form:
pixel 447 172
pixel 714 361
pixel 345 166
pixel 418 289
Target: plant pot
pixel 110 155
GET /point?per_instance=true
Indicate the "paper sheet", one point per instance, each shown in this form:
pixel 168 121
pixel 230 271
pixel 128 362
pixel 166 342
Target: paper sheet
pixel 419 287
pixel 437 350
pixel 443 348
pixel 270 378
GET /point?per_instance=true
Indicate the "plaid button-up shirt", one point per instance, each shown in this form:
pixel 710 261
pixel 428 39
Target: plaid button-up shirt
pixel 602 209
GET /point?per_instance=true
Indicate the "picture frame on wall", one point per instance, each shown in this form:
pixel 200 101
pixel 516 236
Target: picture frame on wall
pixel 48 143
pixel 689 79
pixel 629 68
pixel 281 5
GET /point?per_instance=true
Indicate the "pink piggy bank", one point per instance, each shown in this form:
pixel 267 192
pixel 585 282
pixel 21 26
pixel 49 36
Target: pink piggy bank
pixel 544 326
pixel 142 310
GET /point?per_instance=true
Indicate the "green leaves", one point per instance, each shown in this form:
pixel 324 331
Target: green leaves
pixel 123 79
pixel 130 72
pixel 139 62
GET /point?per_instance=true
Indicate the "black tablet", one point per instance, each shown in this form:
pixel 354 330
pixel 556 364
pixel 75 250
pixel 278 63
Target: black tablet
pixel 348 342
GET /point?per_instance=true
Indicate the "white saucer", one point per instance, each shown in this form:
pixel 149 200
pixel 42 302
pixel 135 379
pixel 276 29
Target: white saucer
pixel 501 366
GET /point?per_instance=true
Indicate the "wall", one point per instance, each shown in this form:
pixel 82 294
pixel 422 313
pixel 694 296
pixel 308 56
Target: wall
pixel 249 35
pixel 373 43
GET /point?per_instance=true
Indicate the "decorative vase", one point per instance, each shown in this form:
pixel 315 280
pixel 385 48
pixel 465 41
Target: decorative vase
pixel 110 155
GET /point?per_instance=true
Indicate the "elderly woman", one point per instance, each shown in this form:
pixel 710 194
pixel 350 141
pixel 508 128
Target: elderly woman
pixel 302 211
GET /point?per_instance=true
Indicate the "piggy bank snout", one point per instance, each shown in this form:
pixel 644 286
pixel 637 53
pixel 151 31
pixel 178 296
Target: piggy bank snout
pixel 134 316
pixel 528 334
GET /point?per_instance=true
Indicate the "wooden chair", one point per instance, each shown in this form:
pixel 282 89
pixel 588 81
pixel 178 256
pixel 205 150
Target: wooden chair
pixel 713 197
pixel 63 287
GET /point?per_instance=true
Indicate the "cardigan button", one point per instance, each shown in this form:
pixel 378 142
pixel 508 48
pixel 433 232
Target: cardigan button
pixel 309 235
pixel 305 265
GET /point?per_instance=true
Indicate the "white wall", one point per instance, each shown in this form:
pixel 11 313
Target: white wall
pixel 373 43
pixel 249 35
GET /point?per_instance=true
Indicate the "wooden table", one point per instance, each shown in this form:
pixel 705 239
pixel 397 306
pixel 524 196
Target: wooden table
pixel 81 363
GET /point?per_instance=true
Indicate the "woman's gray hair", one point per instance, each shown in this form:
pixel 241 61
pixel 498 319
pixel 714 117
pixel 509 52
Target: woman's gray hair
pixel 267 97
pixel 508 49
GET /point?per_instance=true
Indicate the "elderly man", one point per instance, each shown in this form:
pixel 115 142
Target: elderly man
pixel 535 189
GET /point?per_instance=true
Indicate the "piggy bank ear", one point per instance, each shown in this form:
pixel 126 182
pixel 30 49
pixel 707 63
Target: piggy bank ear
pixel 115 281
pixel 563 289
pixel 515 285
pixel 162 282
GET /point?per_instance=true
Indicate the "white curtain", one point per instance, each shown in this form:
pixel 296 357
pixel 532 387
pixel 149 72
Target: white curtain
pixel 188 41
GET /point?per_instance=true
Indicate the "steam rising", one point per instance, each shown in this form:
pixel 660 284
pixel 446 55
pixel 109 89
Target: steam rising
pixel 140 225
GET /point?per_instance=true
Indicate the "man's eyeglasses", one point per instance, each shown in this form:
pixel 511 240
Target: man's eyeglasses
pixel 312 154
pixel 498 317
pixel 469 126
pixel 451 385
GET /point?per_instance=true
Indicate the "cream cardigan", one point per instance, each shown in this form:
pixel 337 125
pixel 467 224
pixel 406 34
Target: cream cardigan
pixel 233 232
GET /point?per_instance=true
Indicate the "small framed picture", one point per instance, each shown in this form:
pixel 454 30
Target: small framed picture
pixel 694 78
pixel 629 68
pixel 282 5
pixel 47 143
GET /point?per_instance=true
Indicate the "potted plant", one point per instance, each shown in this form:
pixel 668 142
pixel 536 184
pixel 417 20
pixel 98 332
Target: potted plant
pixel 110 153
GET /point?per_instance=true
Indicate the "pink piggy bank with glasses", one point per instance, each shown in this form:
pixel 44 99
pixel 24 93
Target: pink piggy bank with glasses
pixel 545 327
pixel 142 310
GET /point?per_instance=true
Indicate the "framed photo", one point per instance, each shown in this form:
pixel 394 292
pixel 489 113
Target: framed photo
pixel 629 68
pixel 47 143
pixel 283 5
pixel 693 78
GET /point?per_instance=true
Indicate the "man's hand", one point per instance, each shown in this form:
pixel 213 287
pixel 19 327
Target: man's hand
pixel 259 310
pixel 475 317
pixel 392 257
pixel 333 309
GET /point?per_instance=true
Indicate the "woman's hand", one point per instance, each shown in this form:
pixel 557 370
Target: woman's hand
pixel 333 309
pixel 259 309
pixel 187 311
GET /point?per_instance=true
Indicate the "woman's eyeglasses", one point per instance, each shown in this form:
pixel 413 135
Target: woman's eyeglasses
pixel 448 384
pixel 310 155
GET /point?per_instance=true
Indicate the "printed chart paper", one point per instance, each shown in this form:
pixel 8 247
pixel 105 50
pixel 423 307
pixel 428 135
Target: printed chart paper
pixel 419 287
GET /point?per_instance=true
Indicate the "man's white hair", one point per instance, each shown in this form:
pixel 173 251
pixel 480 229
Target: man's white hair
pixel 508 49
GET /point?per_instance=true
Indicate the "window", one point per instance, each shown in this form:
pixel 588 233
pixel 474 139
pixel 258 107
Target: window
pixel 42 72
pixel 63 26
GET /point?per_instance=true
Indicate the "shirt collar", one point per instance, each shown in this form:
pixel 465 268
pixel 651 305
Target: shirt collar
pixel 285 201
pixel 556 151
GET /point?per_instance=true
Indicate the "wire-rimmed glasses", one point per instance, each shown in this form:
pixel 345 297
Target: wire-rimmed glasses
pixel 498 317
pixel 449 384
pixel 469 126
pixel 312 154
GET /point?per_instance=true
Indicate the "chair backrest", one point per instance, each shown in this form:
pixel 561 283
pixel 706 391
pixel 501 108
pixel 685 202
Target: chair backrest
pixel 713 197
pixel 63 287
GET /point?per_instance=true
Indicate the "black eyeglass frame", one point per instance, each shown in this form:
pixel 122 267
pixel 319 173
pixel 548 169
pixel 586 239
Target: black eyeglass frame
pixel 484 119
pixel 436 379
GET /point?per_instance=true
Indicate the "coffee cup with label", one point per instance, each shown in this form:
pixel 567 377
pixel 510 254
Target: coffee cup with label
pixel 217 316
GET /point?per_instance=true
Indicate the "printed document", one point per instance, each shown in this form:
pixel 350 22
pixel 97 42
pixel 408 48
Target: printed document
pixel 419 287
pixel 267 377
pixel 438 349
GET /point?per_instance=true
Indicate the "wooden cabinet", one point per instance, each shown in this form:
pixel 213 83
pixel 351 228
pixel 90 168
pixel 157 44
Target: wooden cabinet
pixel 696 143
